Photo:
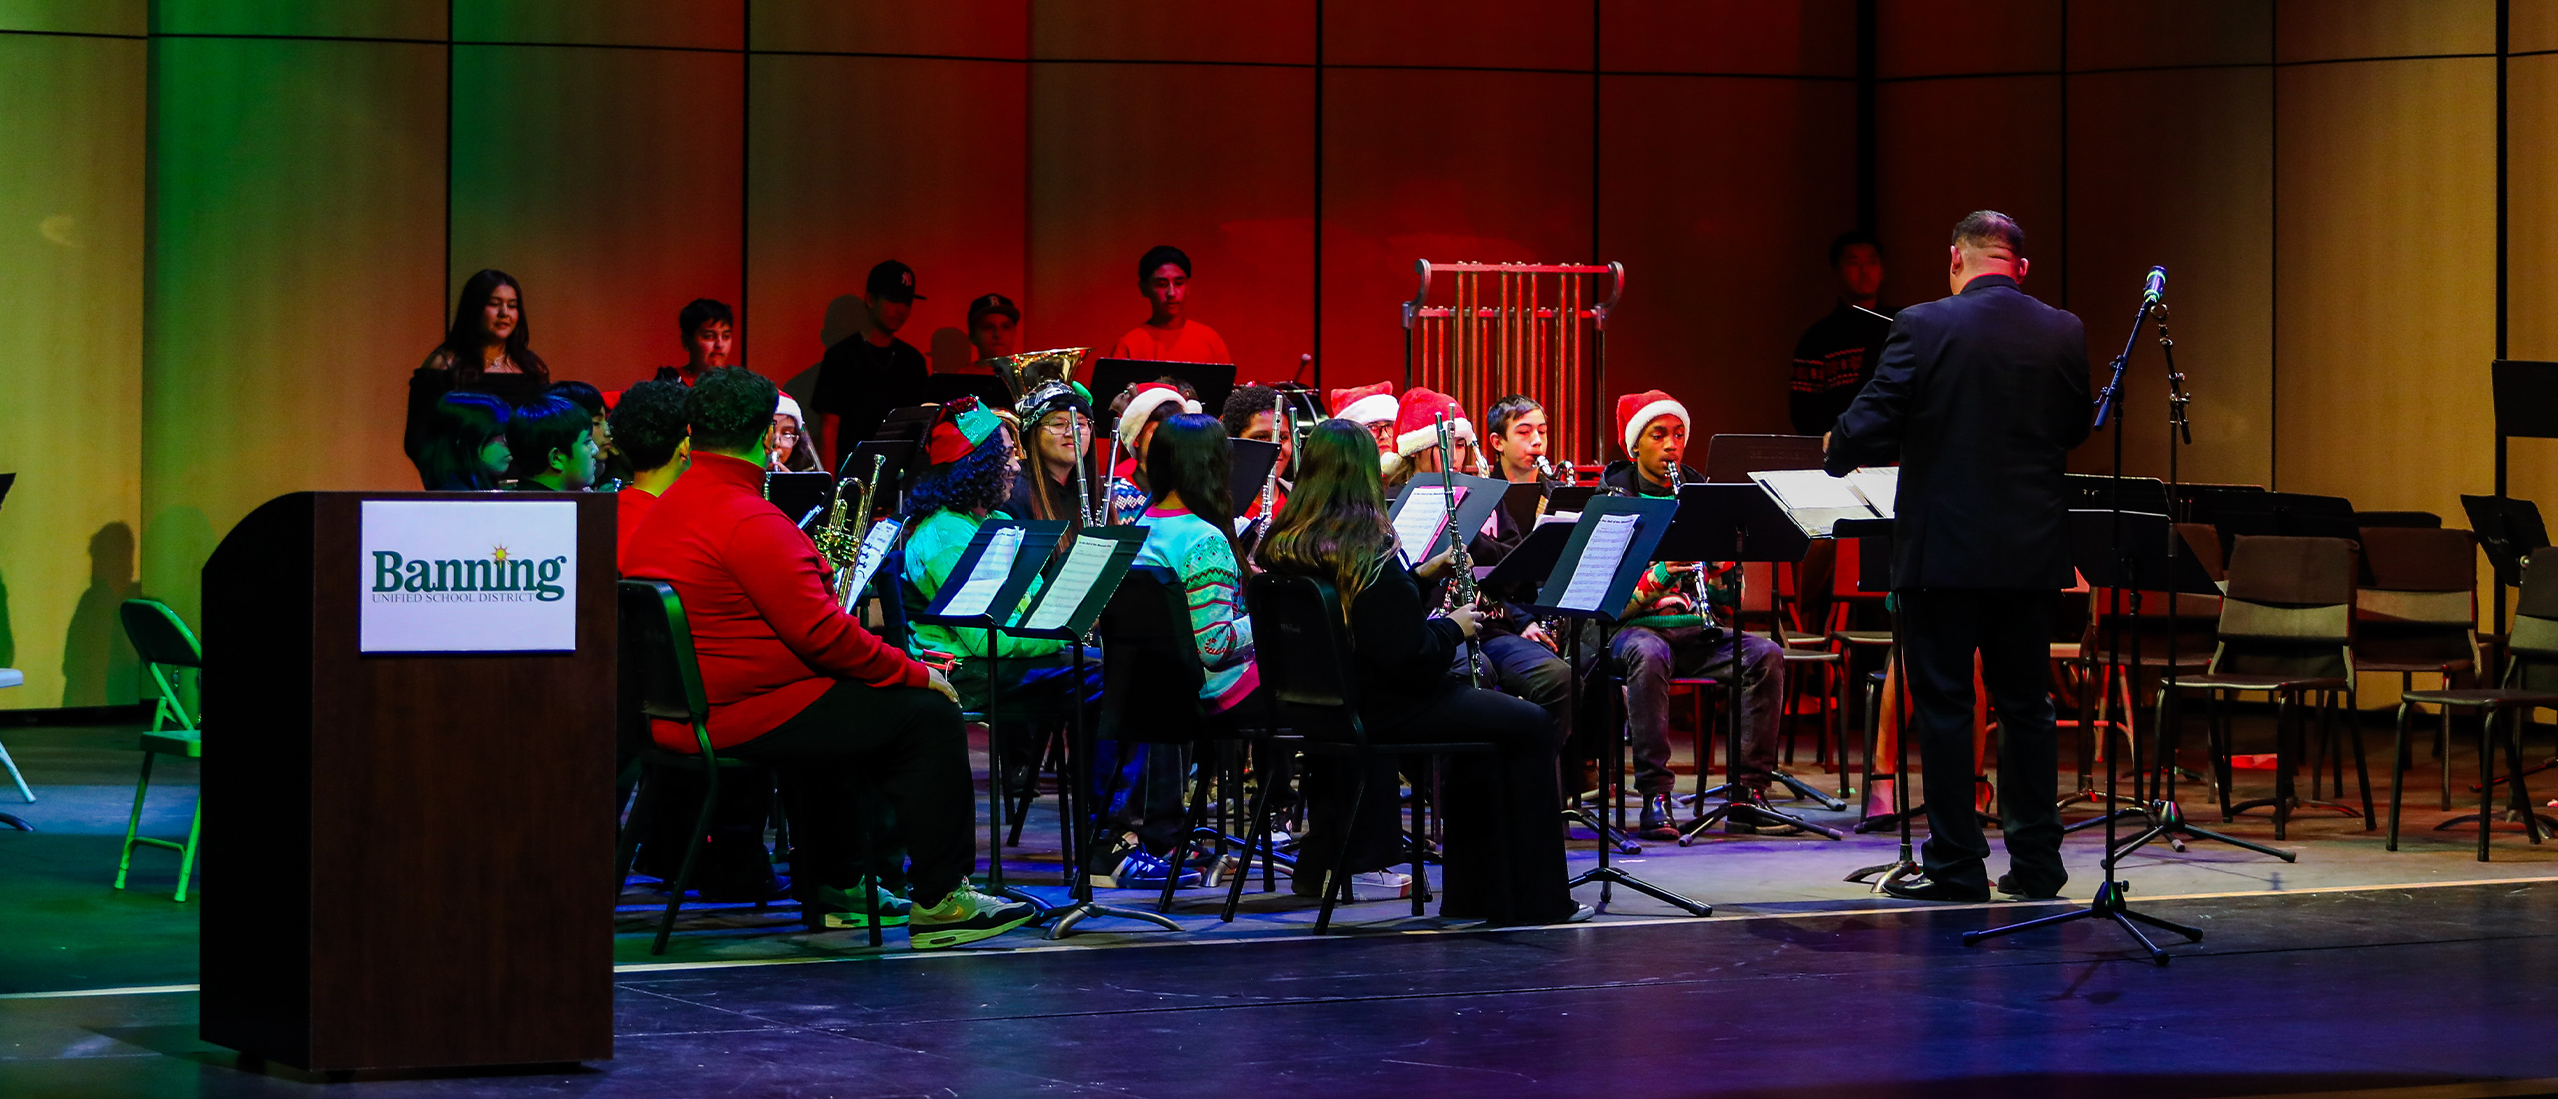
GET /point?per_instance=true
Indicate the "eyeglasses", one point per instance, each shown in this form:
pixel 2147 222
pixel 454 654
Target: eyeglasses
pixel 786 433
pixel 1061 427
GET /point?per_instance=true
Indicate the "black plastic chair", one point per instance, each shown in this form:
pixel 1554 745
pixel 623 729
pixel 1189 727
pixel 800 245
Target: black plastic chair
pixel 1299 638
pixel 2530 682
pixel 657 644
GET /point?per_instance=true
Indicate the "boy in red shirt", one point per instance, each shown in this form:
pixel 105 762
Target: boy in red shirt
pixel 1163 276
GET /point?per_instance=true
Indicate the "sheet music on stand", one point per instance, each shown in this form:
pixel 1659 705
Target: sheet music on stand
pixel 1815 500
pixel 987 584
pixel 1420 513
pixel 1600 556
pixel 1880 485
pixel 1605 553
pixel 1083 582
pixel 987 579
pixel 1421 521
pixel 873 550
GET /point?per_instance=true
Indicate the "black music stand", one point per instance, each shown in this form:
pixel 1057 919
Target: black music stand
pixel 1211 381
pixel 1523 571
pixel 2151 558
pixel 2526 396
pixel 1064 610
pixel 1873 535
pixel 1557 599
pixel 987 388
pixel 1037 539
pixel 1731 459
pixel 1738 522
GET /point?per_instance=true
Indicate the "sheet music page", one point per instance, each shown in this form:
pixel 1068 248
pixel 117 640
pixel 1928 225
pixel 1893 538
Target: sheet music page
pixel 1072 584
pixel 1424 518
pixel 1880 485
pixel 873 550
pixel 1597 567
pixel 993 569
pixel 1810 490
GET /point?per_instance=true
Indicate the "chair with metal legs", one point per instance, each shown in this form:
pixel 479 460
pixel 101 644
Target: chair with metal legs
pixel 2530 682
pixel 12 677
pixel 2419 615
pixel 165 644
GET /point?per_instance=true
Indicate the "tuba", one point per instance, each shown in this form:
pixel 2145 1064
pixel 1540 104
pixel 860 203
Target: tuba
pixel 1034 378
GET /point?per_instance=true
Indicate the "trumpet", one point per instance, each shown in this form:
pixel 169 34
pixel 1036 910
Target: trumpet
pixel 840 539
pixel 1461 586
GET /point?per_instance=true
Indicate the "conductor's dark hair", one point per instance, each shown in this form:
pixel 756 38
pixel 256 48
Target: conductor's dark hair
pixel 648 423
pixel 1983 228
pixel 1244 402
pixel 463 341
pixel 1189 455
pixel 1842 242
pixel 582 395
pixel 1507 411
pixel 540 427
pixel 1158 256
pixel 701 311
pixel 730 409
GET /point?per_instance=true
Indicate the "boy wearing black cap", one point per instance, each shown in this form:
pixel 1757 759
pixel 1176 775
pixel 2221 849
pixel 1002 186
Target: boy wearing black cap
pixel 870 372
pixel 1163 276
pixel 992 319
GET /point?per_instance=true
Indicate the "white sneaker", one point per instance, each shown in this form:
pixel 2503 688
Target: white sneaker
pixel 1375 885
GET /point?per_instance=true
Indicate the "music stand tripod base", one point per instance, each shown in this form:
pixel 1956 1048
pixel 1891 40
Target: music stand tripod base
pixel 2109 904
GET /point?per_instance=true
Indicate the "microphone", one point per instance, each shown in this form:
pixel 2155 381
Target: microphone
pixel 2155 287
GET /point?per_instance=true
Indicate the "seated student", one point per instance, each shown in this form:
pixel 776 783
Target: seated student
pixel 709 331
pixel 553 443
pixel 1136 412
pixel 1516 436
pixel 611 472
pixel 1254 412
pixel 1163 276
pixel 1416 437
pixel 1503 866
pixel 1372 407
pixel 462 448
pixel 1060 439
pixel 1189 521
pixel 649 421
pixel 795 683
pixel 1669 632
pixel 786 448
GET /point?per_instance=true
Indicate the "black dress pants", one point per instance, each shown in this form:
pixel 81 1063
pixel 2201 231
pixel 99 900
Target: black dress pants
pixel 1504 850
pixel 1940 630
pixel 903 742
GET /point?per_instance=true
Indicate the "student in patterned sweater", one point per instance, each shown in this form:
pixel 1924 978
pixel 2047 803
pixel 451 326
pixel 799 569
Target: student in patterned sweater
pixel 1189 521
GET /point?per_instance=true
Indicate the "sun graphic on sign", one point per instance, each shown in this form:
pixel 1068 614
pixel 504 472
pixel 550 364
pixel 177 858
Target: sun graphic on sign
pixel 497 553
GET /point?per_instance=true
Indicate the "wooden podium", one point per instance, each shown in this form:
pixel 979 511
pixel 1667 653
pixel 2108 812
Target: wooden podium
pixel 404 852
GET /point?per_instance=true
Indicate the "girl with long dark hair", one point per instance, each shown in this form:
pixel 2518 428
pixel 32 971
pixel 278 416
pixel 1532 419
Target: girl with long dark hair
pixel 1504 854
pixel 486 350
pixel 465 448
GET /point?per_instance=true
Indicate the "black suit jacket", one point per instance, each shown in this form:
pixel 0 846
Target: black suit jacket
pixel 1980 396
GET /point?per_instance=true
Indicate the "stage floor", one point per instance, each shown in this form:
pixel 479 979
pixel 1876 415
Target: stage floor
pixel 2354 968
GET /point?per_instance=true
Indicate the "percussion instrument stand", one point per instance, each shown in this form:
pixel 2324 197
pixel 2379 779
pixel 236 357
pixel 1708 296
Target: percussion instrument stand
pixel 2108 901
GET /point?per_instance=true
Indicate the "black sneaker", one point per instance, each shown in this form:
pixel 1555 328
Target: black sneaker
pixel 1659 821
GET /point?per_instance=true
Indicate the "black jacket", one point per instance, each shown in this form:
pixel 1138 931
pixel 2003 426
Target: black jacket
pixel 1980 396
pixel 1402 654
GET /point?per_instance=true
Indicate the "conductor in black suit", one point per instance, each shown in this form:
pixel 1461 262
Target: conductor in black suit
pixel 1980 395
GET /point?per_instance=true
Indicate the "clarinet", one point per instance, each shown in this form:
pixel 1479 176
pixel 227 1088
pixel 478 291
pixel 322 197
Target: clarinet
pixel 1461 587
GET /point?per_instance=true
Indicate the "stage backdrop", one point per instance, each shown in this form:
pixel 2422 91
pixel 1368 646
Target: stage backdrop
pixel 317 177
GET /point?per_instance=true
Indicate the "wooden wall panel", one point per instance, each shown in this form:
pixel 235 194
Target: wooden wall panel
pixel 1444 166
pixel 699 24
pixel 1273 32
pixel 294 279
pixel 1108 180
pixel 77 16
pixel 2535 25
pixel 72 426
pixel 2381 392
pixel 1949 147
pixel 607 182
pixel 2108 34
pixel 1945 37
pixel 1780 37
pixel 859 159
pixel 422 20
pixel 2532 325
pixel 2176 168
pixel 2326 30
pixel 1525 34
pixel 1697 171
pixel 945 28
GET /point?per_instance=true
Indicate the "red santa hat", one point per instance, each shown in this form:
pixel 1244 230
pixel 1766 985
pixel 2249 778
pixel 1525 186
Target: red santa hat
pixel 1636 411
pixel 1417 424
pixel 1365 404
pixel 1142 403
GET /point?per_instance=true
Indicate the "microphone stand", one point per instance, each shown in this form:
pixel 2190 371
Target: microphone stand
pixel 2109 902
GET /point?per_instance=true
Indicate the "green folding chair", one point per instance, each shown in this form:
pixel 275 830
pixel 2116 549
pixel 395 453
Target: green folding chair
pixel 164 642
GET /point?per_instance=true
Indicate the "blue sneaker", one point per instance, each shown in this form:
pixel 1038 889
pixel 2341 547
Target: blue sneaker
pixel 1135 868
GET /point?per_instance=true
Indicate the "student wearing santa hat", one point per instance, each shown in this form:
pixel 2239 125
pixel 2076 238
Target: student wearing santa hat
pixel 1416 437
pixel 1369 406
pixel 1135 412
pixel 1670 634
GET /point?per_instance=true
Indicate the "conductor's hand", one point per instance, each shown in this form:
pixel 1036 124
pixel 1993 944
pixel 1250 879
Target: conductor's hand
pixel 1467 619
pixel 935 681
pixel 1432 568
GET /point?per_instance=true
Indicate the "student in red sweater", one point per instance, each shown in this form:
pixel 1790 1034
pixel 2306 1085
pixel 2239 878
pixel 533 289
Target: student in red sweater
pixel 794 682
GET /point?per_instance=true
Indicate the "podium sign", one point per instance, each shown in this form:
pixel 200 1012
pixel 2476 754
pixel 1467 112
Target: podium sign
pixel 404 848
pixel 459 576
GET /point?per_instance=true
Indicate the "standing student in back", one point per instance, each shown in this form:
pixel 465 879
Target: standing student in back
pixel 1163 276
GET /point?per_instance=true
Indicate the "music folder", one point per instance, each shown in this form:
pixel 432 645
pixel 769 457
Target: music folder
pixel 1814 499
pixel 1250 469
pixel 1607 552
pixel 1742 522
pixel 1081 584
pixel 801 496
pixel 985 587
pixel 866 558
pixel 1420 513
pixel 2140 555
